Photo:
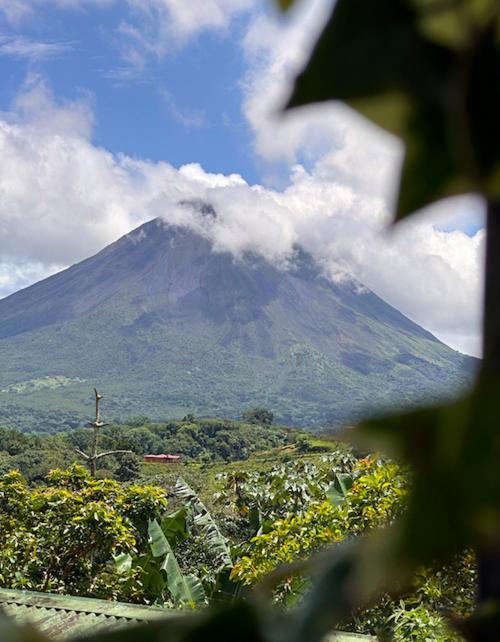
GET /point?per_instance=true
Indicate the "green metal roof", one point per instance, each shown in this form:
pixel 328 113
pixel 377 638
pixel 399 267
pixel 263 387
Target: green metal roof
pixel 350 637
pixel 62 616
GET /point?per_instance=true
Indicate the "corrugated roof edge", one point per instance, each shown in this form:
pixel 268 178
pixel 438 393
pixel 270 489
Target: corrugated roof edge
pixel 108 608
pixel 350 637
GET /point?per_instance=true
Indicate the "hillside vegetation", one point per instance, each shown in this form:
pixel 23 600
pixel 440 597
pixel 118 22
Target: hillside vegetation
pixel 210 535
pixel 167 326
pixel 201 440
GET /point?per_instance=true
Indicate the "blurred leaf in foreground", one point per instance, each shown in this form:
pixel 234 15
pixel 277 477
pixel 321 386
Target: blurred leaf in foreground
pixel 423 72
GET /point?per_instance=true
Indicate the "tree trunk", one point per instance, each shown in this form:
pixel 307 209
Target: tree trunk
pixel 489 560
pixel 93 451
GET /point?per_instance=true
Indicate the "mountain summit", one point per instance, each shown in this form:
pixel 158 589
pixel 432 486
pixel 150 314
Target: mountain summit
pixel 164 326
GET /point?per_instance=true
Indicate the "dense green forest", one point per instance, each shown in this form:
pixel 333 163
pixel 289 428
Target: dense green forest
pixel 203 440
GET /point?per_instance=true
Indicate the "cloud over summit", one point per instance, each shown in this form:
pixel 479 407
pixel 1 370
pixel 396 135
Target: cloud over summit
pixel 64 198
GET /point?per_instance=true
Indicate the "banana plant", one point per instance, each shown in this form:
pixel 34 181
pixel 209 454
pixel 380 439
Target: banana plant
pixel 205 525
pixel 186 590
pixel 339 487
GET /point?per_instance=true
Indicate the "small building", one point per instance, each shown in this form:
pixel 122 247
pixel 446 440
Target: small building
pixel 163 459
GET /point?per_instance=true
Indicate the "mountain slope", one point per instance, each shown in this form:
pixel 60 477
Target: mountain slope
pixel 164 326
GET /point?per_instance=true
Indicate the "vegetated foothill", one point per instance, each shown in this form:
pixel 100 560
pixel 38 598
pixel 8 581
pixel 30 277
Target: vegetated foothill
pixel 200 440
pixel 165 325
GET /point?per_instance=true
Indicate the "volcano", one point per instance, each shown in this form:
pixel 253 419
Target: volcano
pixel 164 326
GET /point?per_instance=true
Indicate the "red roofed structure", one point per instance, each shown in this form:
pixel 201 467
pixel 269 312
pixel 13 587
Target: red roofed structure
pixel 163 459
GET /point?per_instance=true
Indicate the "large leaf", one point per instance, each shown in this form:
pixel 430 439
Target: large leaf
pixel 285 4
pixel 123 563
pixel 216 543
pixel 174 526
pixel 353 575
pixel 454 452
pixel 185 589
pixel 371 51
pixel 392 61
pixel 157 540
pixel 337 490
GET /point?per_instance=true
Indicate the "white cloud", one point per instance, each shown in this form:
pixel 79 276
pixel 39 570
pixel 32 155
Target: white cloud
pixel 147 28
pixel 157 27
pixel 33 107
pixel 32 50
pixel 17 11
pixel 63 198
pixel 275 51
pixel 428 267
pixel 180 19
pixel 14 276
pixel 188 118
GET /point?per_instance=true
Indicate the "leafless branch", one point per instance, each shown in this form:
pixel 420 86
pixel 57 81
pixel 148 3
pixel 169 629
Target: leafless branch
pixel 114 452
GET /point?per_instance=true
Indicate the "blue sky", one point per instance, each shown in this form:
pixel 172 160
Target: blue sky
pixel 182 106
pixel 115 111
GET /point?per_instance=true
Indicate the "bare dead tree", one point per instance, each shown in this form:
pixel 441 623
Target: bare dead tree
pixel 92 457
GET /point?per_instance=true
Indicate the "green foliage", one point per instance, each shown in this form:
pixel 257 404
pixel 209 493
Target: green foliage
pixel 420 625
pixel 202 439
pixel 375 498
pixel 208 440
pixel 183 559
pixel 33 456
pixel 259 416
pixel 184 589
pixel 62 537
pixel 128 468
pixel 281 490
pixel 206 526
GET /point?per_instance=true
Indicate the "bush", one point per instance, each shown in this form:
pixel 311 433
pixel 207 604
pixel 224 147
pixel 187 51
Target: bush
pixel 63 537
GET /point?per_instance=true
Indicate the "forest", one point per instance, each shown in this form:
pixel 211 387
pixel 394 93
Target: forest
pixel 207 531
pixel 201 440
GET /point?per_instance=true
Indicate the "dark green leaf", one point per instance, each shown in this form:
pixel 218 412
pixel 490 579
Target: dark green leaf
pixel 353 575
pixel 429 158
pixel 343 482
pixel 371 51
pixel 185 589
pixel 174 525
pixel 337 490
pixel 454 452
pixel 157 540
pixel 123 563
pixel 426 71
pixel 212 626
pixel 285 4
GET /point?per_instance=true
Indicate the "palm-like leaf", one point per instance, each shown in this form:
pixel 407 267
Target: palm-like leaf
pixel 216 543
pixel 185 589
